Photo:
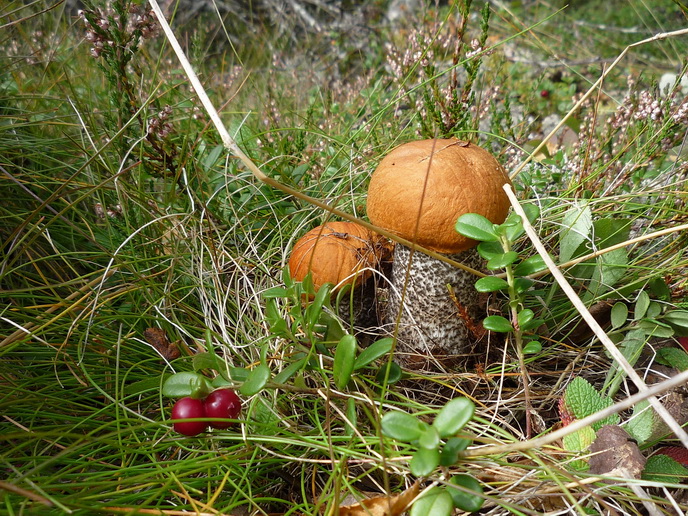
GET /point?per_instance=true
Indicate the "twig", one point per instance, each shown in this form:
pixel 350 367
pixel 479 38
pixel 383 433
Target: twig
pixel 598 82
pixel 232 146
pixel 576 425
pixel 590 320
pixel 25 493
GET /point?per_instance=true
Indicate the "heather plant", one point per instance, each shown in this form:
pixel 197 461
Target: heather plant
pixel 143 261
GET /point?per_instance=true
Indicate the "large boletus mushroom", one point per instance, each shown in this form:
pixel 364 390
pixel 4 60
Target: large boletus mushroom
pixel 343 253
pixel 418 192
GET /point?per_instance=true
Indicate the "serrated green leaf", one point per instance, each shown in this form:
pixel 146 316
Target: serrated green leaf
pixel 619 315
pixel 673 357
pixel 642 423
pixel 436 502
pixel 402 426
pixel 490 284
pixel 377 349
pixel 424 461
pixel 454 416
pixel 501 261
pixel 344 357
pixel 497 323
pixel 579 441
pixel 582 400
pixel 477 227
pixel 451 449
pixel 256 380
pixel 662 468
pixel 469 502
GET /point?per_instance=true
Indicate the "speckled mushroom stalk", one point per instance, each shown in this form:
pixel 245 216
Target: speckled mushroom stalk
pixel 418 191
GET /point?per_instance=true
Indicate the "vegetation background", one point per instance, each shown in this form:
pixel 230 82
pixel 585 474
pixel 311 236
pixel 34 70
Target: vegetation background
pixel 135 246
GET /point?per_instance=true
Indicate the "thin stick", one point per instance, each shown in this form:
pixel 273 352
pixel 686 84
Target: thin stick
pixel 231 145
pixel 590 320
pixel 598 82
pixel 576 425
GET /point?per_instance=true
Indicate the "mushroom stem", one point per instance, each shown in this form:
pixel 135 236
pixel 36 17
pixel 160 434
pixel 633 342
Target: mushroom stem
pixel 431 323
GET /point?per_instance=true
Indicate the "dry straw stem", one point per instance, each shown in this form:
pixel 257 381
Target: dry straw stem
pixel 590 320
pixel 231 145
pixel 598 83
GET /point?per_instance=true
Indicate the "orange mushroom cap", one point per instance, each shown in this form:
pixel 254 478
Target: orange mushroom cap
pixel 337 252
pixel 431 183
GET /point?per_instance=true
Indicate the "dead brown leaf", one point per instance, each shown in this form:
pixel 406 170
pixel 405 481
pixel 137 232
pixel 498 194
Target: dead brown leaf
pixel 393 505
pixel 157 338
pixel 613 450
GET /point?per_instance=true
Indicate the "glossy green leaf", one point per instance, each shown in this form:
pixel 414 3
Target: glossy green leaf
pixel 206 360
pixel 619 315
pixel 521 285
pixel 257 378
pixel 489 249
pixel 402 426
pixel 238 374
pixel 394 375
pixel 532 347
pixel 454 416
pixel 524 317
pixel 344 357
pixel 662 468
pixel 451 450
pixel 285 374
pixel 424 461
pixel 513 227
pixel 501 261
pixel 497 323
pixel 530 266
pixel 186 383
pixel 377 349
pixel 532 324
pixel 477 227
pixel 429 438
pixel 466 501
pixel 275 292
pixel 532 212
pixel 490 284
pixel 436 502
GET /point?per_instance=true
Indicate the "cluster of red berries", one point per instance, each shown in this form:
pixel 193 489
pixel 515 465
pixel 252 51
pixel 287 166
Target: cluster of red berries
pixel 221 404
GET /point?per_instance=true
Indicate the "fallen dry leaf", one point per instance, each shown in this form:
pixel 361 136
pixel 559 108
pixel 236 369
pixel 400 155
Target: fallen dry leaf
pixel 613 450
pixel 393 505
pixel 157 338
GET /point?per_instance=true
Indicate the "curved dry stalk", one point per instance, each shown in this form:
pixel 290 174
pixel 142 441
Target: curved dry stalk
pixel 592 323
pixel 576 425
pixel 598 82
pixel 232 146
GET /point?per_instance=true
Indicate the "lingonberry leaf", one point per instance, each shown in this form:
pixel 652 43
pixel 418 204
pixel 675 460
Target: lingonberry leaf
pixel 470 501
pixel 490 284
pixel 454 416
pixel 477 227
